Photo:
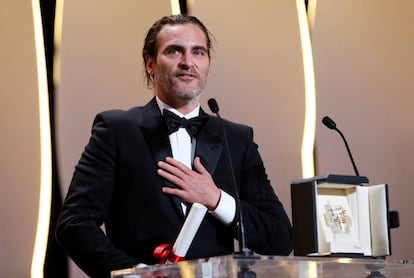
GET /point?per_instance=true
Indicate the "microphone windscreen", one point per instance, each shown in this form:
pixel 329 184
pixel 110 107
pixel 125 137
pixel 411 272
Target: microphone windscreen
pixel 212 103
pixel 328 122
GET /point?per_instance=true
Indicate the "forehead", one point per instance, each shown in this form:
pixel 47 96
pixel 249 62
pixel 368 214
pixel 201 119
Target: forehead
pixel 182 34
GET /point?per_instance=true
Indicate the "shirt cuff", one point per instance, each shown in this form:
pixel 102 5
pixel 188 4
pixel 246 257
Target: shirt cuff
pixel 226 208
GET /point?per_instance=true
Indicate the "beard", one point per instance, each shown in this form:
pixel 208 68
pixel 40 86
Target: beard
pixel 172 87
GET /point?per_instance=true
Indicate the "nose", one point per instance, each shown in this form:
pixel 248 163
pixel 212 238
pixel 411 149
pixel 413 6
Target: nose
pixel 187 61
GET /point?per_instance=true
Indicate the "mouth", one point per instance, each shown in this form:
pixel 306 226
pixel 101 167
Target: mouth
pixel 186 76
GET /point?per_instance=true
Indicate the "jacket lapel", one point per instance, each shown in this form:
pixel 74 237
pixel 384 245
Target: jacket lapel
pixel 209 144
pixel 155 132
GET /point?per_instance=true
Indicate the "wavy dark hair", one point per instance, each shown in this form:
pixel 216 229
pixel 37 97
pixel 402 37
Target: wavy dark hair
pixel 150 48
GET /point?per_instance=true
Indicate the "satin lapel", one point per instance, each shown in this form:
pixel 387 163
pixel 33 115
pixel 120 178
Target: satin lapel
pixel 154 130
pixel 209 144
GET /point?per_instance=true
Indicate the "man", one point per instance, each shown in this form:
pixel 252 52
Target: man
pixel 138 179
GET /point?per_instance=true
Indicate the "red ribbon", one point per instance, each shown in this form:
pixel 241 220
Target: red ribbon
pixel 165 254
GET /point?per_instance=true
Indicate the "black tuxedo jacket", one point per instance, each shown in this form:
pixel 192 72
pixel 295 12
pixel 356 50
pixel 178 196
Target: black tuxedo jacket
pixel 115 183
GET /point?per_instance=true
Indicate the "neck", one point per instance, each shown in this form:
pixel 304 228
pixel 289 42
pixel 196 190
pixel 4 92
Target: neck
pixel 184 106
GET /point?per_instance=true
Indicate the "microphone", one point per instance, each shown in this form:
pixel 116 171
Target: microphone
pixel 243 250
pixel 329 123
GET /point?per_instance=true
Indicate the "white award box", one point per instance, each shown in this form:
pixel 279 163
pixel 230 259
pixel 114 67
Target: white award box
pixel 337 215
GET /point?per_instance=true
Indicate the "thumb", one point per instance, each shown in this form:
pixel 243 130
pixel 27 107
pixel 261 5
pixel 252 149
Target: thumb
pixel 199 167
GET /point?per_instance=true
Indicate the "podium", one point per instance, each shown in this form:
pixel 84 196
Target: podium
pixel 272 266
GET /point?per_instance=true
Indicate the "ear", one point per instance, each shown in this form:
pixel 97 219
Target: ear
pixel 150 66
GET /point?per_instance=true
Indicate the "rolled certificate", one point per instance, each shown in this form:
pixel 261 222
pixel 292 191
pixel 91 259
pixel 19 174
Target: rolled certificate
pixel 189 229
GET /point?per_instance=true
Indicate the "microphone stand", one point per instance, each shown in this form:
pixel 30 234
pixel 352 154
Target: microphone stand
pixel 349 151
pixel 244 252
pixel 329 123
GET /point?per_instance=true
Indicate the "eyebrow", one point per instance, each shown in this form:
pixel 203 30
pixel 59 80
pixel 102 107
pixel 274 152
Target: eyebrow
pixel 200 47
pixel 178 46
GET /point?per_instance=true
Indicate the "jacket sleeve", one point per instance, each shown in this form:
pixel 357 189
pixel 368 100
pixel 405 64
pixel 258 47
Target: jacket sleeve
pixel 86 206
pixel 267 226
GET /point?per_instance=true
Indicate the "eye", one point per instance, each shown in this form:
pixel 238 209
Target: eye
pixel 200 52
pixel 173 50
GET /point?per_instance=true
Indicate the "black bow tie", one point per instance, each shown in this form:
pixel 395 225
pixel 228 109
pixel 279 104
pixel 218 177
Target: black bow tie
pixel 174 122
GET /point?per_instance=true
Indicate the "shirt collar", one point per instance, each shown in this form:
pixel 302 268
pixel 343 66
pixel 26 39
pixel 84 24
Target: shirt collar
pixel 190 115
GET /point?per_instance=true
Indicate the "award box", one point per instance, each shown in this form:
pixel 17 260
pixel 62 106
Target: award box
pixel 336 215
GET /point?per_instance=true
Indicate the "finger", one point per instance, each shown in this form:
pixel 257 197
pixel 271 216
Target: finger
pixel 171 177
pixel 176 163
pixel 173 191
pixel 182 194
pixel 172 169
pixel 167 167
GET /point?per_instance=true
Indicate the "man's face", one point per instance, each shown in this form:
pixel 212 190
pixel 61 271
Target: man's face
pixel 181 65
